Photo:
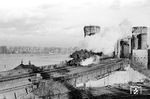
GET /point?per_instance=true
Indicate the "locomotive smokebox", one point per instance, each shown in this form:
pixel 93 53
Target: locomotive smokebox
pixel 91 30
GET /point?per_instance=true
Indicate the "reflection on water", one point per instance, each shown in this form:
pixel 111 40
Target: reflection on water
pixel 9 61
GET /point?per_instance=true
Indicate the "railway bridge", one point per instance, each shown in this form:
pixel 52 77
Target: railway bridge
pixel 75 76
pixel 94 72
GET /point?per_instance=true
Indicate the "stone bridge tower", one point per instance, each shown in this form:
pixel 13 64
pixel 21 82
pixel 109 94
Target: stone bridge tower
pixel 140 46
pixel 91 30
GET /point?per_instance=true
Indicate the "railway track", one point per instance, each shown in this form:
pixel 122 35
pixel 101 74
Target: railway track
pixel 107 67
pixel 103 64
pixel 7 78
pixel 103 67
pixel 14 88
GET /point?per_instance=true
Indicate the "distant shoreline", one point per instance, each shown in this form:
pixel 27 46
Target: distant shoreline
pixel 10 61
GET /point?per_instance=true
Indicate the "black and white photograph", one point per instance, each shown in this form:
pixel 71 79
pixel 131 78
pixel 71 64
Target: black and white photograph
pixel 74 49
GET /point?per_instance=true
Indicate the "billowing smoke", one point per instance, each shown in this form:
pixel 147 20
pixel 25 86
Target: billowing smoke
pixel 107 38
pixel 102 42
pixel 99 45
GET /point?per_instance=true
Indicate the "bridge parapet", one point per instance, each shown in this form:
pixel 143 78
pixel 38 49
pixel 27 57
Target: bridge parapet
pixel 96 73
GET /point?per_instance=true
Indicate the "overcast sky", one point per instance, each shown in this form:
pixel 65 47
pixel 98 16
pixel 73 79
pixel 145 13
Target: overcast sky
pixel 61 22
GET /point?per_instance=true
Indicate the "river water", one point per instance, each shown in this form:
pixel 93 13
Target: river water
pixel 9 61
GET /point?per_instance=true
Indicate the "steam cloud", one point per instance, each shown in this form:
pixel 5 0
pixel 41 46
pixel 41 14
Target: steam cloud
pixel 91 60
pixel 107 38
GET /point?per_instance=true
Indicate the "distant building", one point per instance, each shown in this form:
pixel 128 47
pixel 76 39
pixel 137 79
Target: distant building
pixel 91 30
pixel 3 49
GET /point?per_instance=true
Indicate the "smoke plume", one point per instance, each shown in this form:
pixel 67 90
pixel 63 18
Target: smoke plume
pixel 107 38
